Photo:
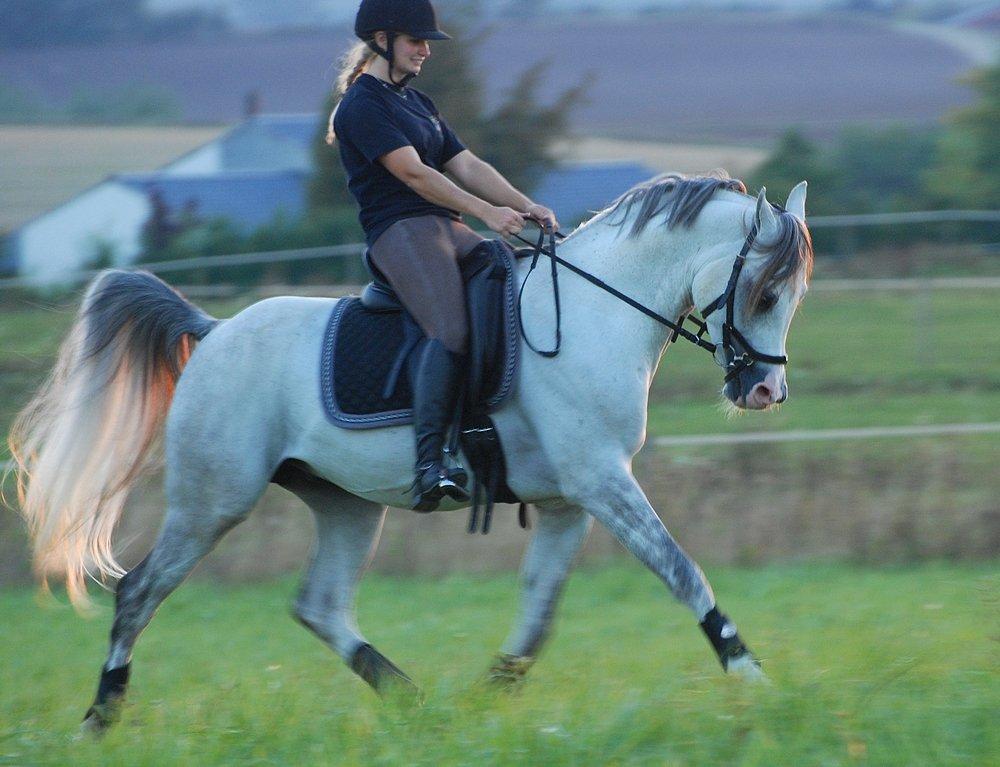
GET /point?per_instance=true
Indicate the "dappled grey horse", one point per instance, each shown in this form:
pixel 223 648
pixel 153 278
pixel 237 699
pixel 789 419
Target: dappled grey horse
pixel 239 398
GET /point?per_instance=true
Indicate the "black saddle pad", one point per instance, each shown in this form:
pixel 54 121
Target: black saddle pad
pixel 363 350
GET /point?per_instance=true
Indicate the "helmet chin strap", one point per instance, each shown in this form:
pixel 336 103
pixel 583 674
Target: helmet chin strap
pixel 388 56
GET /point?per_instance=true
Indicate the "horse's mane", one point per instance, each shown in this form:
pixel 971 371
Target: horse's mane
pixel 679 199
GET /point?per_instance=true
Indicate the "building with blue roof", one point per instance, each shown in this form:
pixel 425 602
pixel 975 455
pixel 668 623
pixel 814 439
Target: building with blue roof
pixel 250 175
pixel 247 199
pixel 574 191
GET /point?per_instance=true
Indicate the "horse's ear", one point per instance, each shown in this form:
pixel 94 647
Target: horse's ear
pixel 767 222
pixel 796 204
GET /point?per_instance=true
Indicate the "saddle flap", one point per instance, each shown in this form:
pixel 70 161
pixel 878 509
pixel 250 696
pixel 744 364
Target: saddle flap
pixel 366 343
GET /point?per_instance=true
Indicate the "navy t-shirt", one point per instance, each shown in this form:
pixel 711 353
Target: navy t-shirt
pixel 373 119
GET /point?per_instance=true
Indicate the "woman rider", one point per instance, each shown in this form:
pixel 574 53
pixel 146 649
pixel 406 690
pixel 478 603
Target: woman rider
pixel 396 149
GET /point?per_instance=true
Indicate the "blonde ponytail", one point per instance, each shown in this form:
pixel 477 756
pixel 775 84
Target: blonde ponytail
pixel 352 66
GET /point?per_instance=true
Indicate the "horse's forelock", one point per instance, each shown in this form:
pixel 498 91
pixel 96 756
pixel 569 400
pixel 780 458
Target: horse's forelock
pixel 789 253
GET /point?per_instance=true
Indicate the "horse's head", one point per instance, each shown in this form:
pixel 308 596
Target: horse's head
pixel 748 304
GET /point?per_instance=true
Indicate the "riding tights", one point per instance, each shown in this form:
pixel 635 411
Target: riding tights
pixel 419 257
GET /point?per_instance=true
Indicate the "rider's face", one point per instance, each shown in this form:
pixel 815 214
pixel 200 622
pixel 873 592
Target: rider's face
pixel 409 53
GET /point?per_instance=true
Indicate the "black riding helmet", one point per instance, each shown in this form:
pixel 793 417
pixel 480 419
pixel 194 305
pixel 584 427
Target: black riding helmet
pixel 415 18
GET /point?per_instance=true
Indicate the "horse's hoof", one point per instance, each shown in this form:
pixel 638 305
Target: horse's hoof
pixel 508 671
pixel 96 722
pixel 747 667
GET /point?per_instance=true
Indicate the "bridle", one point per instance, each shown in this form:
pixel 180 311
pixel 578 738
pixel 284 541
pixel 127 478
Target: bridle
pixel 734 354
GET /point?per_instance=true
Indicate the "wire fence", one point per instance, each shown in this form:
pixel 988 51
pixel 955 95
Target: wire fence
pixel 355 250
pixel 863 434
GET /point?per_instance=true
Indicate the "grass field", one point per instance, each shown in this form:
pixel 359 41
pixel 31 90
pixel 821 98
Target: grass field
pixel 879 667
pixel 42 167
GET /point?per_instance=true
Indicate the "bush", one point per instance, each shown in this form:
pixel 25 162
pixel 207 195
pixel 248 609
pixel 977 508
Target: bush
pixel 133 105
pixel 218 237
pixel 899 169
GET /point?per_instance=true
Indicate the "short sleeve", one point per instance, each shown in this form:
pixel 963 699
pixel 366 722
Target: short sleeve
pixel 370 127
pixel 452 143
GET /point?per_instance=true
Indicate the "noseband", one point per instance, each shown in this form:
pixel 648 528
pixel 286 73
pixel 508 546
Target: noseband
pixel 735 354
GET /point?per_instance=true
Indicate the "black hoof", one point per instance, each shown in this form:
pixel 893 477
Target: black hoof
pixel 384 676
pixel 99 719
pixel 108 703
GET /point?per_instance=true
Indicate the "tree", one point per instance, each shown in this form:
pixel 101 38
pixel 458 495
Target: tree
pixel 967 170
pixel 795 159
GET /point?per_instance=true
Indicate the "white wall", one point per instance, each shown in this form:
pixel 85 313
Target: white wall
pixel 65 239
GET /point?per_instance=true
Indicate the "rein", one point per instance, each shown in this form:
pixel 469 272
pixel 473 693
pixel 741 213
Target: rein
pixel 738 353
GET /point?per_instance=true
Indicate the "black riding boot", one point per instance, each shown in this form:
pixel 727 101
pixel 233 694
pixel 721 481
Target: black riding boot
pixel 435 391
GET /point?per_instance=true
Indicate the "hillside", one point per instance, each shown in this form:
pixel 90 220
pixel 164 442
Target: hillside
pixel 728 77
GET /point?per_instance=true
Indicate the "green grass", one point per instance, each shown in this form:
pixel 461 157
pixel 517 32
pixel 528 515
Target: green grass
pixel 869 666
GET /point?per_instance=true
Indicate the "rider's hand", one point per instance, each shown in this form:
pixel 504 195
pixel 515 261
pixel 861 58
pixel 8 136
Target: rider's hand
pixel 505 221
pixel 543 216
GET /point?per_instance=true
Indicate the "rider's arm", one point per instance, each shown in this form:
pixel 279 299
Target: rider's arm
pixel 485 181
pixel 405 164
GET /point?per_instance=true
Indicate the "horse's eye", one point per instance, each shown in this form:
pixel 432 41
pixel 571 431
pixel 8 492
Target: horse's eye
pixel 767 301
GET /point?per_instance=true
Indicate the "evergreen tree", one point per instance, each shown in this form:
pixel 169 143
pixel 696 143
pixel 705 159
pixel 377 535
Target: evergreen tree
pixel 967 171
pixel 794 159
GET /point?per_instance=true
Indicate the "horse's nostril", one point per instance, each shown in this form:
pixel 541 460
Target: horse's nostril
pixel 762 392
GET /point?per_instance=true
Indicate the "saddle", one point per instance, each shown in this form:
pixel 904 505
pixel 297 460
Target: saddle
pixel 367 362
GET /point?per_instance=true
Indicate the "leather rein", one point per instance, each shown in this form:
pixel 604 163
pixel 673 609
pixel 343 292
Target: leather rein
pixel 735 354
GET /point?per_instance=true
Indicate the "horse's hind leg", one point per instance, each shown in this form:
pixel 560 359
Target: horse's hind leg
pixel 190 530
pixel 347 531
pixel 547 562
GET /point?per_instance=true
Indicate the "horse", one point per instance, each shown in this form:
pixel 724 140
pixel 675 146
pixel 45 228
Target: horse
pixel 145 376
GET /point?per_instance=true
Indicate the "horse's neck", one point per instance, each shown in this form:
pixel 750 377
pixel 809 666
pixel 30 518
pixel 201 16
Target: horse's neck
pixel 655 269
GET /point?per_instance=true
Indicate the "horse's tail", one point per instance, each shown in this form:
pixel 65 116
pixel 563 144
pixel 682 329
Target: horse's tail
pixel 90 430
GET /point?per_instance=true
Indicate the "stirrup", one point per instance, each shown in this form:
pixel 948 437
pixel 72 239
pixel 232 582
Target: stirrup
pixel 427 498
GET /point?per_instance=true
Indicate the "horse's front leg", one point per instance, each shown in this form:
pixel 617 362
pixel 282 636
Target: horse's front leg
pixel 619 504
pixel 559 533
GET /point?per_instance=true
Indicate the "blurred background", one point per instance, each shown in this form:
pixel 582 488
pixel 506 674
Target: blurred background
pixel 185 136
pixel 853 534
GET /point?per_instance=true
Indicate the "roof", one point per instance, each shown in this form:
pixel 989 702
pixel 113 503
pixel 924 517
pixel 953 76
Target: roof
pixel 271 142
pixel 575 190
pixel 299 128
pixel 249 199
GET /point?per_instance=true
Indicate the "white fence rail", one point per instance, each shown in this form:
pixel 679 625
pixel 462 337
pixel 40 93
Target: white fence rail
pixel 914 217
pixel 829 435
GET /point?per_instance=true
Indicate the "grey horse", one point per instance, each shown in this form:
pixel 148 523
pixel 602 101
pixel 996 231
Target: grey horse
pixel 236 399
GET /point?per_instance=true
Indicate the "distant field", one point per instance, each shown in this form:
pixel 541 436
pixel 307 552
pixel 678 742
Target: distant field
pixel 42 167
pixel 869 666
pixel 665 157
pixel 706 78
